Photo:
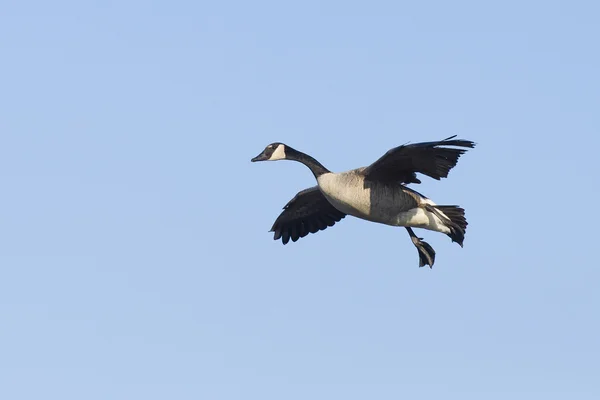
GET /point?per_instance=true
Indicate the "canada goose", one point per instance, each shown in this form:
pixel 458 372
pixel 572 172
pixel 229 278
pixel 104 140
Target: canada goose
pixel 376 193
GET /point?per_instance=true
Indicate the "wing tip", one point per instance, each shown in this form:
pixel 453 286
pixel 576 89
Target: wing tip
pixel 458 142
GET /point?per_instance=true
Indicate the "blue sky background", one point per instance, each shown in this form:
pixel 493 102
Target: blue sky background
pixel 135 258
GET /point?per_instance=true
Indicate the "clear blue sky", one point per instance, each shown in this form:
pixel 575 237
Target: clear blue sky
pixel 135 257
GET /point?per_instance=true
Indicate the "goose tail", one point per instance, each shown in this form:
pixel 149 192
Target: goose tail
pixel 454 218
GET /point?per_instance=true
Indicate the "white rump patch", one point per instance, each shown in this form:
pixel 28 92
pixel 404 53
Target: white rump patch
pixel 420 218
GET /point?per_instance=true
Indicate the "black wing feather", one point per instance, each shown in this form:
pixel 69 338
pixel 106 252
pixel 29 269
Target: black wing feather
pixel 401 163
pixel 308 212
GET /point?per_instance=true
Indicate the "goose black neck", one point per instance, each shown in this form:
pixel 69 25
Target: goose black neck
pixel 315 167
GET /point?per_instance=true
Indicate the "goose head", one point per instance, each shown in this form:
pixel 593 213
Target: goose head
pixel 274 151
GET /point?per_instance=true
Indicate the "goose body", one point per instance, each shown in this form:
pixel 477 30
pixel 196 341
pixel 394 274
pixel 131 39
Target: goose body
pixel 377 193
pixel 386 203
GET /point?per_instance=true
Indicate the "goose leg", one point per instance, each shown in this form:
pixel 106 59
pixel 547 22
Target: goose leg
pixel 426 252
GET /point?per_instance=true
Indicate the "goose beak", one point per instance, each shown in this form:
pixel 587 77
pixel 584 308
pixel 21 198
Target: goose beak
pixel 260 157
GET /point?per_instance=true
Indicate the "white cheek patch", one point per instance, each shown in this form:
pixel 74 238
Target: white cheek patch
pixel 278 154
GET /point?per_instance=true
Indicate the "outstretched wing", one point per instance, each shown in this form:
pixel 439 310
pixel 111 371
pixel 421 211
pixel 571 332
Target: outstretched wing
pixel 308 212
pixel 433 159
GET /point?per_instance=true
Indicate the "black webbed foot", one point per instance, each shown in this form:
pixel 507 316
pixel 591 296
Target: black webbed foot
pixel 426 252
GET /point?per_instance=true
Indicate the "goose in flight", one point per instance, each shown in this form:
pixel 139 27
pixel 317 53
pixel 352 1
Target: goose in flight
pixel 376 193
